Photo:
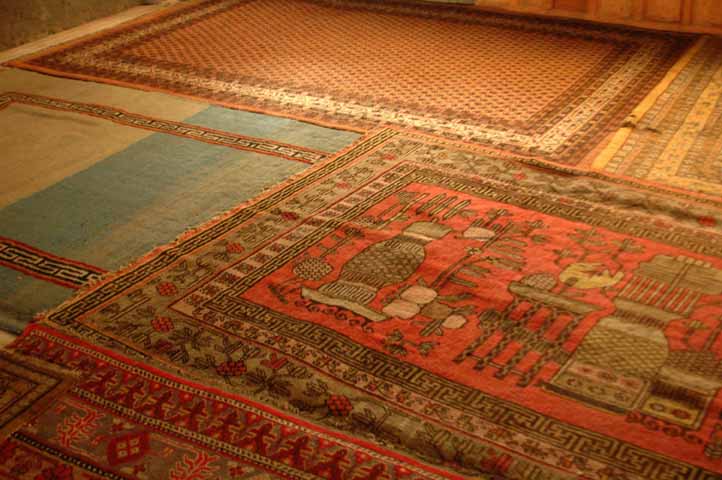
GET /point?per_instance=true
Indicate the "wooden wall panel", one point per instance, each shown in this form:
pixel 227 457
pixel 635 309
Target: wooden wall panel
pixel 572 5
pixel 541 4
pixel 615 9
pixel 703 16
pixel 707 12
pixel 506 4
pixel 663 10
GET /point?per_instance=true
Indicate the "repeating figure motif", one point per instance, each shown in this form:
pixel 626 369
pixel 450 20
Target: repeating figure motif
pixel 123 422
pixel 558 109
pixel 453 306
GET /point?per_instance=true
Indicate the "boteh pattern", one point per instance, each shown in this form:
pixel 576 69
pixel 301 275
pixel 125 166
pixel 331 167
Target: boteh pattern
pixel 481 77
pixel 412 308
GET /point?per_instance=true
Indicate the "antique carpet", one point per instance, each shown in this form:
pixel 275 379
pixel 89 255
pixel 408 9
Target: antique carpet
pixel 676 139
pixel 27 386
pixel 88 187
pixel 538 87
pixel 414 302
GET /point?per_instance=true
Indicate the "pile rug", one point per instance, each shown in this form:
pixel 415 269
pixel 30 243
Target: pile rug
pixel 676 139
pixel 27 386
pixel 539 87
pixel 411 308
pixel 89 186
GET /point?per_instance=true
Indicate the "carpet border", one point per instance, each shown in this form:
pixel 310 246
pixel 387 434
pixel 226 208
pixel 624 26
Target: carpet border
pixel 380 132
pixel 48 330
pixel 193 231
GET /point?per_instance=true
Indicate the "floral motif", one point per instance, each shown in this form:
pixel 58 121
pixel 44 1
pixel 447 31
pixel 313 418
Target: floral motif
pixel 232 247
pixel 707 221
pixel 339 405
pixel 166 289
pixel 162 324
pixel 231 368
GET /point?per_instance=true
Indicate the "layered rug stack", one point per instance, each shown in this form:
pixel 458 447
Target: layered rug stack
pixel 495 281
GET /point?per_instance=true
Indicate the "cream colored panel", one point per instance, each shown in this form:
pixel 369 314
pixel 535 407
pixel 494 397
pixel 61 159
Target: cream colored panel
pixel 154 104
pixel 41 146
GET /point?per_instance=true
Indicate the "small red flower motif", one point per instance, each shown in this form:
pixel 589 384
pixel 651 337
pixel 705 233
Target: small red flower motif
pixel 339 405
pixel 232 247
pixel 289 216
pixel 60 472
pixel 520 176
pixel 231 368
pixel 707 221
pixel 166 289
pixel 162 324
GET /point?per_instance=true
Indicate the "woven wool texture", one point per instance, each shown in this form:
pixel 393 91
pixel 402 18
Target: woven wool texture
pixel 535 87
pixel 398 309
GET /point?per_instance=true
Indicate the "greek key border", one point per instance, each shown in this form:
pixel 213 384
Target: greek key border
pixel 46 266
pixel 180 129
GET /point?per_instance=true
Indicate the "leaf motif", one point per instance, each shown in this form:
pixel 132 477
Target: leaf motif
pixel 194 468
pixel 77 427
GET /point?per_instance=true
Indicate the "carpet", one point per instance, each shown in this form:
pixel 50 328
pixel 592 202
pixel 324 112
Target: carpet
pixel 675 141
pixel 88 187
pixel 27 388
pixel 436 306
pixel 552 89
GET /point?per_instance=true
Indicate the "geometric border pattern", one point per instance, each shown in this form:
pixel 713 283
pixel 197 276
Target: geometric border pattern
pixel 194 132
pixel 494 410
pixel 46 266
pixel 28 387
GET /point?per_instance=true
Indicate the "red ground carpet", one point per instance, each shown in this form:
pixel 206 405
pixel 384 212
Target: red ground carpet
pixel 411 308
